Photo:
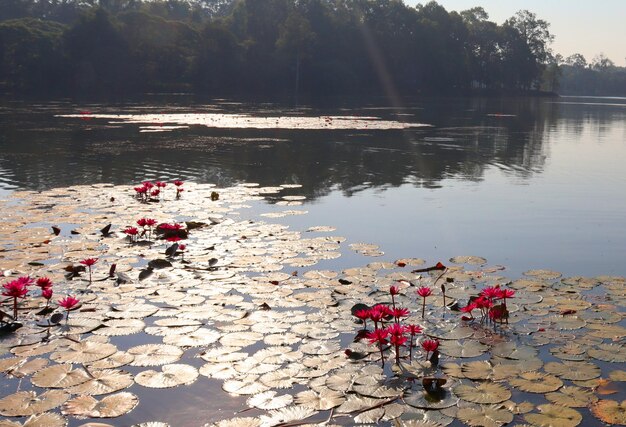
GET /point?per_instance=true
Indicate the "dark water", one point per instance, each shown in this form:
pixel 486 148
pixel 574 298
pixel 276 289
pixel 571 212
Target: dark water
pixel 527 183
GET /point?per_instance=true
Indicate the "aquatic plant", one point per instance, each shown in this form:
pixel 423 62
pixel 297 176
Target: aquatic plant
pixel 47 294
pixel 16 289
pixel 413 330
pixel 363 314
pixel 142 193
pixel 179 187
pixel 424 292
pixel 68 303
pixel 261 328
pixel 132 233
pixel 43 283
pixel 397 338
pixel 379 337
pixel 430 346
pixel 89 263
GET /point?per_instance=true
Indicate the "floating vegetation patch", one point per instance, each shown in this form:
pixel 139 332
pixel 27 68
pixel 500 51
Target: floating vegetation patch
pixel 166 290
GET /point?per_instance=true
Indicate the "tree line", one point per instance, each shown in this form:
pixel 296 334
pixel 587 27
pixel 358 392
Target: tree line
pixel 275 47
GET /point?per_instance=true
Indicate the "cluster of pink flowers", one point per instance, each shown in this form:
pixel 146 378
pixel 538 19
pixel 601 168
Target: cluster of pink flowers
pixel 146 224
pixel 18 288
pixel 487 303
pixel 393 332
pixel 152 190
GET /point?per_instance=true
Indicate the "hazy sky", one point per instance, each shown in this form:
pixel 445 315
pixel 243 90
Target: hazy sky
pixel 580 26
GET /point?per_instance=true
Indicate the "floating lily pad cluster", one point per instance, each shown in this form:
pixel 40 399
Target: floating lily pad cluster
pixel 244 316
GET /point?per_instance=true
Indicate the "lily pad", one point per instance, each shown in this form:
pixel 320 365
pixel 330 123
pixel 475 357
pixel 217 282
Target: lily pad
pixel 610 411
pixel 485 416
pixel 170 376
pixel 483 393
pixel 554 416
pixel 536 382
pixel 110 406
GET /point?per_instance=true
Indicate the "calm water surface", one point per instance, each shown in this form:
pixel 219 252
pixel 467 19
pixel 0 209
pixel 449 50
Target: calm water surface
pixel 526 183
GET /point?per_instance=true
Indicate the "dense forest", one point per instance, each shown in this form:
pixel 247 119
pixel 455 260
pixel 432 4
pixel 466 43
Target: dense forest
pixel 280 47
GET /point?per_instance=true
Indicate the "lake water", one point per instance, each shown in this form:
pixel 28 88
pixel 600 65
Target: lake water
pixel 525 183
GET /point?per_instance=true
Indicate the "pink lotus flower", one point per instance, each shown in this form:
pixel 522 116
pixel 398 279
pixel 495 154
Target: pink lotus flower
pixel 26 280
pixel 174 226
pixel 148 185
pixel 160 184
pixel 182 247
pixel 397 338
pixel 141 190
pixel 363 315
pixel 89 262
pixel 468 309
pixel 379 337
pixel 490 292
pixel 503 294
pixel 412 330
pixel 155 193
pixel 132 233
pixel 178 182
pixel 142 222
pixel 376 314
pixel 44 283
pixel 483 303
pixel 150 222
pixel 506 293
pixel 386 310
pixel 15 289
pixel 68 303
pixel 393 291
pixel 397 341
pixel 399 312
pixel 424 292
pixel 430 346
pixel 47 294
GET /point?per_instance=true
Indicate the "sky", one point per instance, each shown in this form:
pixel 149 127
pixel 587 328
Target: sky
pixel 580 26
